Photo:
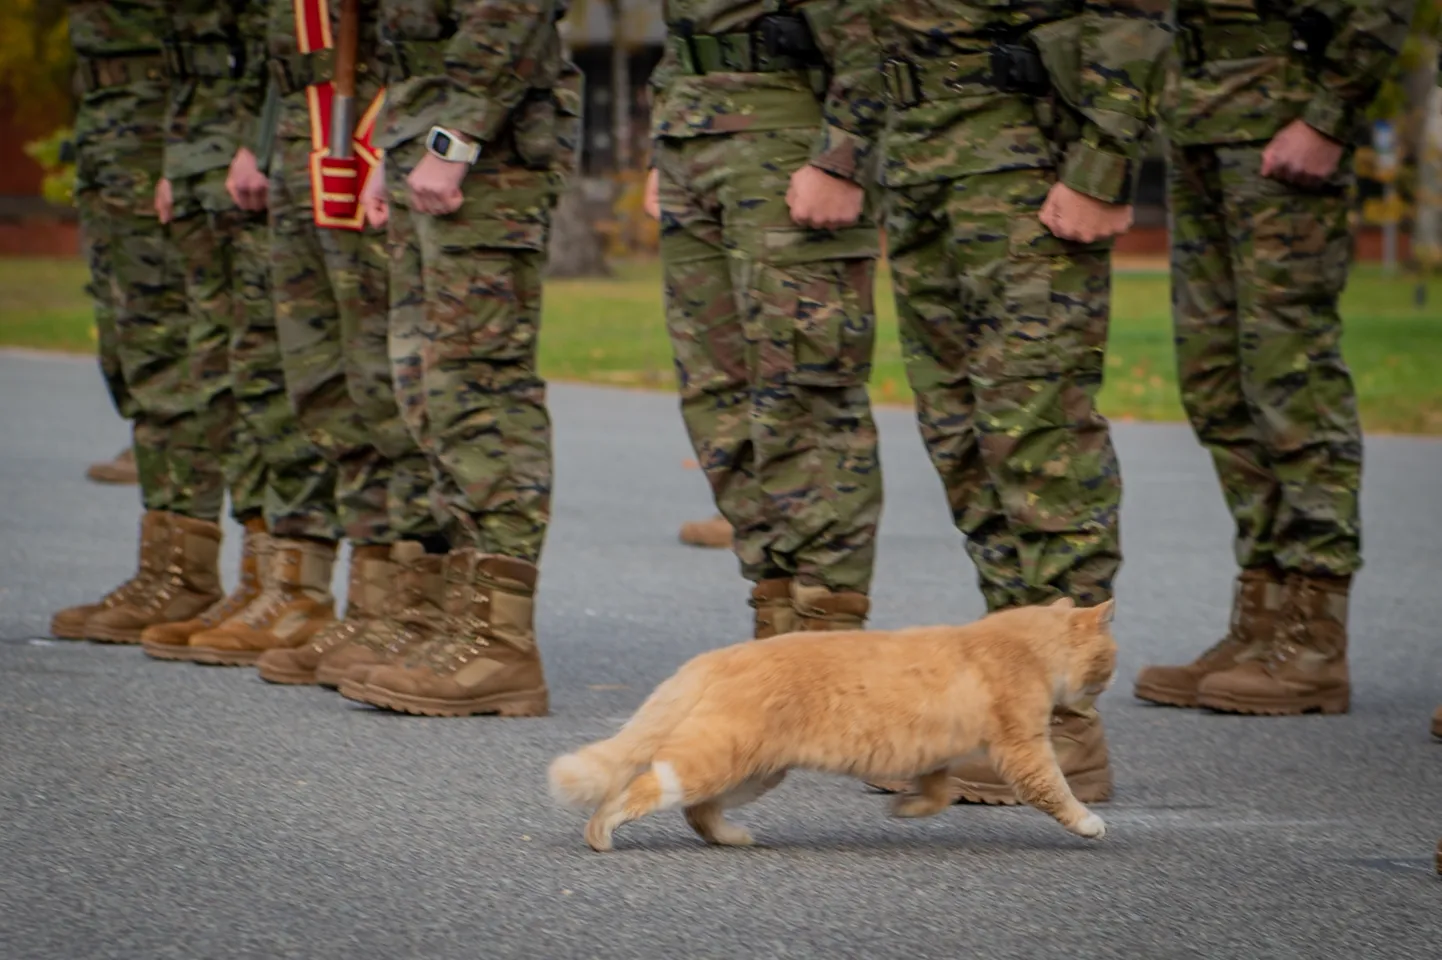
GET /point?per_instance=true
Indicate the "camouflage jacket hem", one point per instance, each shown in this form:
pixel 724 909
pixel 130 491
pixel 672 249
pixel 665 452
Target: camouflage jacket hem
pixel 1098 173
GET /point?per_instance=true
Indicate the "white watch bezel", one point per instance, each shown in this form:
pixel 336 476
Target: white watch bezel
pixel 457 152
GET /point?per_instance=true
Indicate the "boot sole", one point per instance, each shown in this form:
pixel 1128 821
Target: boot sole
pixel 211 657
pixel 1329 704
pixel 330 679
pixel 295 678
pixel 526 703
pixel 165 651
pixel 1091 786
pixel 1166 696
pixel 103 635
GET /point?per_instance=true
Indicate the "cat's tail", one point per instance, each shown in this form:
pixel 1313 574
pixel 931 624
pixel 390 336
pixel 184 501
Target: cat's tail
pixel 598 770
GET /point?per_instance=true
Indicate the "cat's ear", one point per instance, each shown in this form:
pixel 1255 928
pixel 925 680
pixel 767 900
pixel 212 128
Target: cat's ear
pixel 1104 612
pixel 1063 603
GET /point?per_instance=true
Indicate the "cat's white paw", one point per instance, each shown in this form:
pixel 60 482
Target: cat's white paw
pixel 1091 826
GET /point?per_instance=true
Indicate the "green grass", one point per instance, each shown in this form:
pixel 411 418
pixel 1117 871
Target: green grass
pixel 610 331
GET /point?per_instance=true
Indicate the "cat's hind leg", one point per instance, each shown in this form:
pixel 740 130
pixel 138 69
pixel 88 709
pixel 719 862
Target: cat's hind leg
pixel 930 798
pixel 672 780
pixel 708 818
pixel 1029 765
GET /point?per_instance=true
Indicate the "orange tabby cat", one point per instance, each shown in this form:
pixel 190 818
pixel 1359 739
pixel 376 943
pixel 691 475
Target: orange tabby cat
pixel 726 727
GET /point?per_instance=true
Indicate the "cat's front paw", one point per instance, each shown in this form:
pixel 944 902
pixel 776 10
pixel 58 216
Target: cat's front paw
pixel 1090 826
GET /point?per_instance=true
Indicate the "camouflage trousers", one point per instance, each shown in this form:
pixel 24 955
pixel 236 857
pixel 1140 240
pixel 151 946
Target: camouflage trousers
pixel 773 330
pixel 137 284
pixel 1003 330
pixel 465 320
pixel 1257 270
pixel 330 315
pixel 242 409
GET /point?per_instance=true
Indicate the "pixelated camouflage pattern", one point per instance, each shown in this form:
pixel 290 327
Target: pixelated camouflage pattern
pixel 773 332
pixel 137 276
pixel 847 114
pixel 465 319
pixel 1003 331
pixel 1249 81
pixel 1105 61
pixel 330 289
pixel 1257 270
pixel 485 68
pixel 208 109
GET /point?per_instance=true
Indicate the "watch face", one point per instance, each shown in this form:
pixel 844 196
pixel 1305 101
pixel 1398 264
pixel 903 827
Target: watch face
pixel 440 143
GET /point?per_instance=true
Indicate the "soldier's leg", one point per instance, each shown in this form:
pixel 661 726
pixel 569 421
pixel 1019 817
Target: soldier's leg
pixel 95 234
pixel 1209 340
pixel 938 345
pixel 708 343
pixel 810 328
pixel 464 322
pixel 1290 250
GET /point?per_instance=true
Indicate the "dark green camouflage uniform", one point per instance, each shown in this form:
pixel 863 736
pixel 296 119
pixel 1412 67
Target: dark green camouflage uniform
pixel 1004 325
pixel 771 324
pixel 330 301
pixel 217 53
pixel 136 272
pixel 1258 266
pixel 466 288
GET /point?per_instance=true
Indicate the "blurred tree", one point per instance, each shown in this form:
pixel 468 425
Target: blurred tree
pixel 36 63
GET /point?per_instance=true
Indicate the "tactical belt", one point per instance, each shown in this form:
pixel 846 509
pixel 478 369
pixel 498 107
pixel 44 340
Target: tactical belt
pixel 297 71
pixel 97 73
pixel 703 53
pixel 204 61
pixel 1006 67
pixel 1199 40
pixel 415 58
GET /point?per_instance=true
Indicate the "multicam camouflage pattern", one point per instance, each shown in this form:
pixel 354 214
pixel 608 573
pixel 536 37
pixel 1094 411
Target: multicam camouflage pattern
pixel 136 273
pixel 466 288
pixel 1257 269
pixel 773 332
pixel 330 313
pixel 1104 62
pixel 465 319
pixel 771 324
pixel 1240 77
pixel 1003 330
pixel 1004 325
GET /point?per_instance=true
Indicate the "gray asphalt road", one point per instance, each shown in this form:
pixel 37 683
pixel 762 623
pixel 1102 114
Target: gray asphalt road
pixel 152 810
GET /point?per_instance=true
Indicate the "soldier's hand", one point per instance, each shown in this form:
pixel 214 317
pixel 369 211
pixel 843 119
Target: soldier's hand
pixel 651 200
pixel 823 202
pixel 435 185
pixel 373 198
pixel 164 202
pixel 1302 155
pixel 247 186
pixel 1072 215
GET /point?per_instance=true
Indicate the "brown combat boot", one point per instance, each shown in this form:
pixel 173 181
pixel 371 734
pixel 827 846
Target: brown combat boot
pixel 121 470
pixel 1437 723
pixel 820 608
pixel 1303 667
pixel 771 599
pixel 187 583
pixel 69 624
pixel 487 664
pixel 162 640
pixel 1256 617
pixel 295 603
pixel 369 584
pixel 414 614
pixel 715 533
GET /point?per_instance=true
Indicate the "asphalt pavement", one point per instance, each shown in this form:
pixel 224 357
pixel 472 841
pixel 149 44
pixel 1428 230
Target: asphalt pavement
pixel 162 810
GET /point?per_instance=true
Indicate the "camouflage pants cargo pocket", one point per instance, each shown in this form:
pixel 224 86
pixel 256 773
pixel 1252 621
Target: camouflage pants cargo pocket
pixel 1258 267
